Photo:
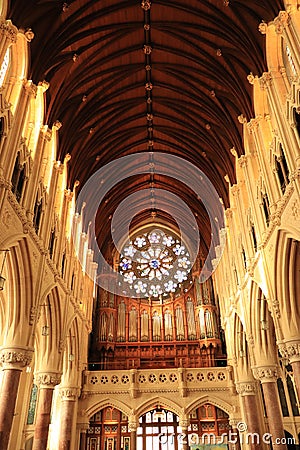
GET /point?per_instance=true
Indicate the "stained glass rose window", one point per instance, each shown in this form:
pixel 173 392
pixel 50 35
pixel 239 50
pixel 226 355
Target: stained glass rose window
pixel 154 263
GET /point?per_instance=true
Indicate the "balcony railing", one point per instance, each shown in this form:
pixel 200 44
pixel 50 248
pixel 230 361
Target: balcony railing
pixel 177 379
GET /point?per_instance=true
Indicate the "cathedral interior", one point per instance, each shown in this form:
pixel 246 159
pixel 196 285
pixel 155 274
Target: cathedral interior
pixel 149 225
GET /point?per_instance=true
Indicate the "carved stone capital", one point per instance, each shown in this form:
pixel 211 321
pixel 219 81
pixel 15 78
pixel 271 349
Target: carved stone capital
pixel 8 30
pixel 290 350
pixel 184 423
pixel 281 21
pixel 30 88
pixel 47 380
pixel 246 388
pixel 69 393
pixel 15 357
pixel 265 374
pixel 132 426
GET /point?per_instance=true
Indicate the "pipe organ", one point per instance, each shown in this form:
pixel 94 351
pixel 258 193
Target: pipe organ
pixel 182 330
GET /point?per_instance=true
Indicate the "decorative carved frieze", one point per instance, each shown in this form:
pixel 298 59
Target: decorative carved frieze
pixel 47 379
pixel 15 357
pixel 265 374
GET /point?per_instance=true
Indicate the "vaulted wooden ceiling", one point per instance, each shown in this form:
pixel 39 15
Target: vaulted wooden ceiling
pixel 163 76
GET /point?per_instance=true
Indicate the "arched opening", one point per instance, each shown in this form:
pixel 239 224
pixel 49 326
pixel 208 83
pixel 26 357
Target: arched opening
pixel 108 430
pixel 159 430
pixel 208 425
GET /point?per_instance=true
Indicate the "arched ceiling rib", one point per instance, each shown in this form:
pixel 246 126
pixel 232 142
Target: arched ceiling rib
pixel 200 53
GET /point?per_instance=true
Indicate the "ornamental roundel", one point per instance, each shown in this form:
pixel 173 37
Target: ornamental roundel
pixel 154 264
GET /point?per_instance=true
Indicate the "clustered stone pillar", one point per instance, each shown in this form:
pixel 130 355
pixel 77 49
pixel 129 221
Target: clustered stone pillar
pixel 46 382
pixel 69 398
pixel 248 393
pixel 268 376
pixel 13 360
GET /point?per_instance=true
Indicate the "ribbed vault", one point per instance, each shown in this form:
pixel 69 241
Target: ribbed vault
pixel 130 76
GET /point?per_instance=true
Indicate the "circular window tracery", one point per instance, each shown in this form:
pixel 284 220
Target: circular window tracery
pixel 154 263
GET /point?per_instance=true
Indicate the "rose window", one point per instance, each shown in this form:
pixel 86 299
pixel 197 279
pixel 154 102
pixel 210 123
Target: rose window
pixel 154 264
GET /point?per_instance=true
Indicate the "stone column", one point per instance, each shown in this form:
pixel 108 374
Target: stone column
pixel 291 351
pixel 248 393
pixel 13 360
pixel 184 424
pixel 268 376
pixel 83 425
pixel 69 396
pixel 82 444
pixel 46 382
pixel 132 427
pixel 234 435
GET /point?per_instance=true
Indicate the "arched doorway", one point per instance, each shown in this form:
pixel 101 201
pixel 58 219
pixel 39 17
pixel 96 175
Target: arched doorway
pixel 159 430
pixel 108 430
